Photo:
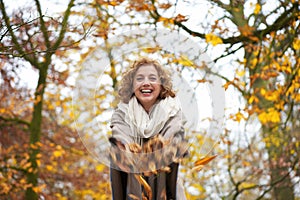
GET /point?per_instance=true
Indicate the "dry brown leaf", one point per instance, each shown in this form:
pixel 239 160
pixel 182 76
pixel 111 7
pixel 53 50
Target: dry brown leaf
pixel 166 169
pixel 181 18
pixel 133 197
pixel 144 198
pixel 154 144
pixel 163 194
pixel 147 187
pixel 135 148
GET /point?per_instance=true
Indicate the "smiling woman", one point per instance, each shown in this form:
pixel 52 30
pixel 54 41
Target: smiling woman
pixel 148 117
pixel 146 86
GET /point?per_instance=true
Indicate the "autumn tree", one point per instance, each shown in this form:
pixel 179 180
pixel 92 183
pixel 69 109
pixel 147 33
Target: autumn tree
pixel 40 153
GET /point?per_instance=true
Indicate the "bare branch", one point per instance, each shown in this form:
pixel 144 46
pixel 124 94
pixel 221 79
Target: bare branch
pixel 64 26
pixel 15 120
pixel 11 32
pixel 43 26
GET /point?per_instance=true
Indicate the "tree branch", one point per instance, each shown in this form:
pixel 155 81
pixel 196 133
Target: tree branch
pixel 64 26
pixel 281 22
pixel 15 120
pixel 43 26
pixel 13 36
pixel 274 183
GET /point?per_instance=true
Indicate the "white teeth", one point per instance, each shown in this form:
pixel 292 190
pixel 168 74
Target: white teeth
pixel 146 91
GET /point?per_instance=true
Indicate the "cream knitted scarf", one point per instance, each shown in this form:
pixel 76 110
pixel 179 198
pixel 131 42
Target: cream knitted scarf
pixel 146 125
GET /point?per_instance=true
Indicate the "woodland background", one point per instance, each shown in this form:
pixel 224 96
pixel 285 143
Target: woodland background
pixel 255 45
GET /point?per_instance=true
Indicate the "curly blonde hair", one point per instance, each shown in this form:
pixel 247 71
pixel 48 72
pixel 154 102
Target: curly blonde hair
pixel 126 84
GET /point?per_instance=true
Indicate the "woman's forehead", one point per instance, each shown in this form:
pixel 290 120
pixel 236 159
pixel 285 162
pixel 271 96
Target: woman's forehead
pixel 147 69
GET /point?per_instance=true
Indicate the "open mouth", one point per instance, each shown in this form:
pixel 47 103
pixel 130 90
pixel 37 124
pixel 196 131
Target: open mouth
pixel 146 91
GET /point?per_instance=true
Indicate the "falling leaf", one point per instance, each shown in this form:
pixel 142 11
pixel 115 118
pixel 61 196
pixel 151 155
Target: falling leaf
pixel 147 187
pixel 135 148
pixel 133 197
pixel 199 164
pixel 198 168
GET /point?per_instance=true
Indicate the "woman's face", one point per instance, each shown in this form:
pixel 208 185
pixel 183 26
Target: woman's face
pixel 146 85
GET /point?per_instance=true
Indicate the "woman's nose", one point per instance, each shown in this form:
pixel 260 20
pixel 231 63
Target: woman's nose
pixel 146 81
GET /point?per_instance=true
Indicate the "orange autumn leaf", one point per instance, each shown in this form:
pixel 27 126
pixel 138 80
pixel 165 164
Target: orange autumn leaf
pixel 204 160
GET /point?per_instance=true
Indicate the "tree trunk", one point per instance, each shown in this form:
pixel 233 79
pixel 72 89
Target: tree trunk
pixel 279 170
pixel 35 135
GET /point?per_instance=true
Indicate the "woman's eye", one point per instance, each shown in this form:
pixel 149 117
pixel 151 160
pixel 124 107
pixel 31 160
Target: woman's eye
pixel 139 79
pixel 153 78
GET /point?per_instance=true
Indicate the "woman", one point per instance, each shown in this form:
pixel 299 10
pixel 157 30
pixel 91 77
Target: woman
pixel 147 120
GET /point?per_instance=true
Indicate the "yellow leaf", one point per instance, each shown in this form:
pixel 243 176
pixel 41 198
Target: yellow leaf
pixel 253 99
pixel 49 167
pixel 60 197
pixel 38 189
pixel 38 162
pixel 57 153
pixel 38 99
pixel 238 117
pixel 271 115
pixel 296 44
pixel 100 167
pixel 152 49
pixel 213 39
pixel 257 9
pixel 226 85
pixel 240 73
pixel 245 185
pixel 262 91
pixel 253 63
pixel 185 61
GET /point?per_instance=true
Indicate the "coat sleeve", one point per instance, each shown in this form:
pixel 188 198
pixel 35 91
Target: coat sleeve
pixel 174 127
pixel 171 181
pixel 118 184
pixel 120 128
pixel 174 132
